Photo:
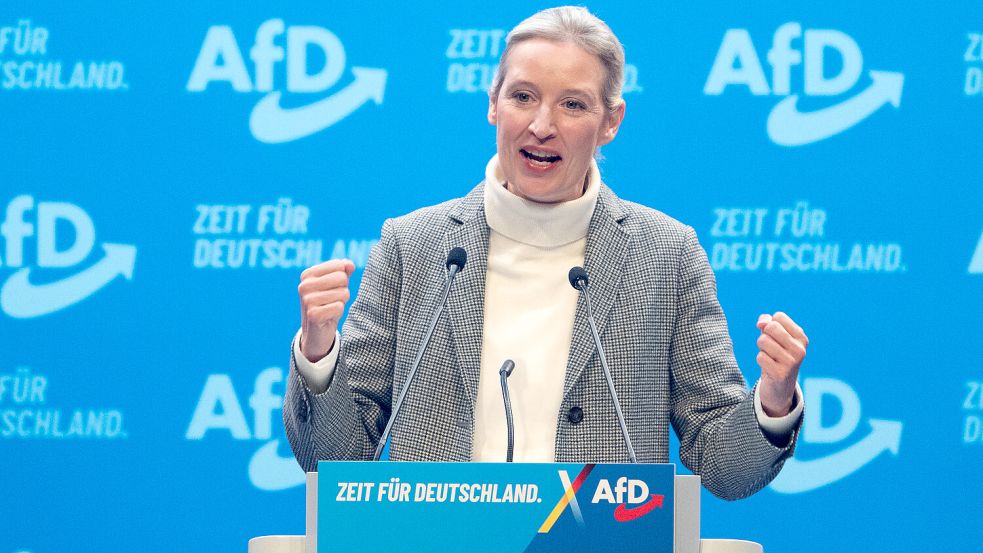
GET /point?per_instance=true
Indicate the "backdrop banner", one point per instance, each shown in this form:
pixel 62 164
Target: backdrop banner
pixel 169 170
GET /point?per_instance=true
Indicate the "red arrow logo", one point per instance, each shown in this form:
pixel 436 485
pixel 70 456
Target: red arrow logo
pixel 624 514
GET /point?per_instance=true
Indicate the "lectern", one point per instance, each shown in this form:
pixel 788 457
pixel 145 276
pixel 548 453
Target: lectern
pixel 535 507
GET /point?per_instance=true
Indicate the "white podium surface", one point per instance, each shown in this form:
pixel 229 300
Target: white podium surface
pixel 277 544
pixel 686 526
pixel 296 544
pixel 730 546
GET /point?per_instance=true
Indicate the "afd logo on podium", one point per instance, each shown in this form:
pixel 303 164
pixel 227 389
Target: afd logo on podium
pixel 737 64
pixel 884 436
pixel 221 60
pixel 24 293
pixel 631 496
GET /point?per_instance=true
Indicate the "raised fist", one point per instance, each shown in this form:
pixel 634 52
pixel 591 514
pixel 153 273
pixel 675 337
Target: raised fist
pixel 782 347
pixel 323 294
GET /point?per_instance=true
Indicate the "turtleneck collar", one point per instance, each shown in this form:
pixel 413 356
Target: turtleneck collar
pixel 540 225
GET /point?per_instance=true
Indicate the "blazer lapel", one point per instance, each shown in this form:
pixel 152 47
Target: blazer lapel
pixel 467 298
pixel 607 248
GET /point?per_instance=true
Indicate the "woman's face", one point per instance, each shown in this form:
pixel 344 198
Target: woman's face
pixel 550 118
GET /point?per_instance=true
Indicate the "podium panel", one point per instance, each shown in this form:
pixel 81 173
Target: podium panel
pixel 495 507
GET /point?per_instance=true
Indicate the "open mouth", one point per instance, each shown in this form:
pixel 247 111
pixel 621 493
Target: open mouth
pixel 539 158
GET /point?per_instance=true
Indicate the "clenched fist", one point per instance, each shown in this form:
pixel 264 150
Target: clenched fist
pixel 782 347
pixel 323 294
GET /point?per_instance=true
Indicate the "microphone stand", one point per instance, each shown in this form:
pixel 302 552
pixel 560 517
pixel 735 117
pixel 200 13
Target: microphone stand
pixel 578 279
pixel 504 374
pixel 455 263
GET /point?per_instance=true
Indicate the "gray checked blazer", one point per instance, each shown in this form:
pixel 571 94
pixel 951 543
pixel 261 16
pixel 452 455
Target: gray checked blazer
pixel 661 325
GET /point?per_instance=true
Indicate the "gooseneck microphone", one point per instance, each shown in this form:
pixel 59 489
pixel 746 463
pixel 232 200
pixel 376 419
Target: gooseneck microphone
pixel 504 373
pixel 578 279
pixel 455 264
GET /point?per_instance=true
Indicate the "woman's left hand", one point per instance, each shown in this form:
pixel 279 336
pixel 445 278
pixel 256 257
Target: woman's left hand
pixel 782 346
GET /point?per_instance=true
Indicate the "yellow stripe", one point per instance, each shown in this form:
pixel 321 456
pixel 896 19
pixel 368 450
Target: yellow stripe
pixel 557 511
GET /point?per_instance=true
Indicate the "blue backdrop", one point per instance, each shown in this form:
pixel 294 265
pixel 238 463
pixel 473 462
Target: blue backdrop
pixel 169 169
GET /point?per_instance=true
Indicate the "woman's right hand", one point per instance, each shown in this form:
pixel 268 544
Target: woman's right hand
pixel 323 293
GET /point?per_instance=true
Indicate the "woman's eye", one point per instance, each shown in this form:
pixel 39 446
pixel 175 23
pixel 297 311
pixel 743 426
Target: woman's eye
pixel 574 104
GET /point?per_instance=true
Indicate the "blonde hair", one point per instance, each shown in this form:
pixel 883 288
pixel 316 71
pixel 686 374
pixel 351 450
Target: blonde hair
pixel 577 25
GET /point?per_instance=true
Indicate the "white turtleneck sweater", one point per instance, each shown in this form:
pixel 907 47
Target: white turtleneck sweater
pixel 528 317
pixel 529 313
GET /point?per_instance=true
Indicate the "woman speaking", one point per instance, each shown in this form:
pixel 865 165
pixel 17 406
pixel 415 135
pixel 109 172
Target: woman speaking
pixel 542 209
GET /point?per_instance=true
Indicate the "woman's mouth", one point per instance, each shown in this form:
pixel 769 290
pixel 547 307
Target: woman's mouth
pixel 539 158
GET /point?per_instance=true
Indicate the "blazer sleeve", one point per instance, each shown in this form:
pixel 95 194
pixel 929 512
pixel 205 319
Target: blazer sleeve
pixel 345 421
pixel 712 410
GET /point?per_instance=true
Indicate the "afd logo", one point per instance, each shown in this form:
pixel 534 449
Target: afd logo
pixel 976 263
pixel 633 498
pixel 737 64
pixel 219 409
pixel 803 476
pixel 220 59
pixel 21 295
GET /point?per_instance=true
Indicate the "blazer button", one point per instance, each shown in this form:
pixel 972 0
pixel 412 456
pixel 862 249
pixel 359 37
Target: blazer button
pixel 302 412
pixel 575 415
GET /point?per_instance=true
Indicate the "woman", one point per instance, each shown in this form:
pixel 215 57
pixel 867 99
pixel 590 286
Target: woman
pixel 542 209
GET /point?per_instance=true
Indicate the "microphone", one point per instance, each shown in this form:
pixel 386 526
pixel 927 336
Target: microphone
pixel 456 260
pixel 578 279
pixel 504 373
pixel 455 264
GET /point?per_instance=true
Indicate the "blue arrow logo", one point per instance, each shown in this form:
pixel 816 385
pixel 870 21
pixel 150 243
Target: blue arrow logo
pixel 803 476
pixel 270 472
pixel 19 298
pixel 976 264
pixel 788 126
pixel 271 123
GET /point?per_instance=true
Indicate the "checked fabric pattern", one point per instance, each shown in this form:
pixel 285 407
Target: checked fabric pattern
pixel 661 325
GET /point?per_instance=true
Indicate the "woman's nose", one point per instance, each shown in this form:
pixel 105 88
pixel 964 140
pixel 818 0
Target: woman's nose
pixel 542 126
